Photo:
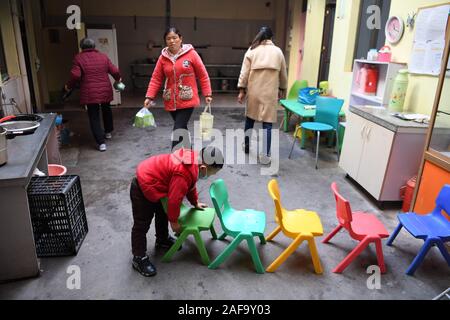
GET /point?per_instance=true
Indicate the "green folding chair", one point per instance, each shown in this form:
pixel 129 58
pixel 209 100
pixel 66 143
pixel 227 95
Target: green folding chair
pixel 241 225
pixel 192 221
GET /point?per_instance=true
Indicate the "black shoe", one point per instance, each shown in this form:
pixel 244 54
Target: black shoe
pixel 144 266
pixel 166 244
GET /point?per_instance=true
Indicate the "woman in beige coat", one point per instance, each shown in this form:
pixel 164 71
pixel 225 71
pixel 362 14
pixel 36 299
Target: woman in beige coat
pixel 263 80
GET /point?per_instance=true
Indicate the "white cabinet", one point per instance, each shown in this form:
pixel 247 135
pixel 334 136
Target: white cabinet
pixel 381 159
pixel 365 153
pixel 387 71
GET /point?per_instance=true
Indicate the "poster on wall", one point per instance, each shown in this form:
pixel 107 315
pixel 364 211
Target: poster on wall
pixel 429 40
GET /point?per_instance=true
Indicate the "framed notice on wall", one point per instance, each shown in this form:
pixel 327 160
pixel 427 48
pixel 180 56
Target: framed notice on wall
pixel 429 40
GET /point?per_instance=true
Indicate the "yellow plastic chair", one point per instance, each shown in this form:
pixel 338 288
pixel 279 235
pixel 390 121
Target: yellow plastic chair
pixel 299 225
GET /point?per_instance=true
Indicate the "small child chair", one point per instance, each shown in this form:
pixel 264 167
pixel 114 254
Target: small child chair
pixel 299 225
pixel 433 229
pixel 361 226
pixel 241 225
pixel 192 221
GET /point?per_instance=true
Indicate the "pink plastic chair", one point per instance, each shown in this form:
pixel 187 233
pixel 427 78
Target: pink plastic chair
pixel 364 227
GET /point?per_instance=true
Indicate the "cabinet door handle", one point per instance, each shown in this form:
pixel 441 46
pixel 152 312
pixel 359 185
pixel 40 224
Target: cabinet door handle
pixel 363 130
pixel 368 133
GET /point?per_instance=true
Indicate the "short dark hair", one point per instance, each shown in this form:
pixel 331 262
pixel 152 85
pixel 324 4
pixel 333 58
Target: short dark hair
pixel 265 33
pixel 87 43
pixel 213 157
pixel 172 29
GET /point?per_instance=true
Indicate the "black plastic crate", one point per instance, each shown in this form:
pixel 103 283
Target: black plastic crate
pixel 58 215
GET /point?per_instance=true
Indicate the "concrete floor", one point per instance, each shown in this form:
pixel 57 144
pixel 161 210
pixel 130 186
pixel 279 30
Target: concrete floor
pixel 105 257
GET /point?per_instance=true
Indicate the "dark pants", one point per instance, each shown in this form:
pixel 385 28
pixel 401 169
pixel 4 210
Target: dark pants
pixel 143 213
pixel 94 120
pixel 267 130
pixel 181 118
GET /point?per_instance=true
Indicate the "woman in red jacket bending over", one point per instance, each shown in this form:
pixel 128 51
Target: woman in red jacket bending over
pixel 180 65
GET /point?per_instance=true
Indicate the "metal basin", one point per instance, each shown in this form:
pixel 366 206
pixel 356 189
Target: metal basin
pixel 16 128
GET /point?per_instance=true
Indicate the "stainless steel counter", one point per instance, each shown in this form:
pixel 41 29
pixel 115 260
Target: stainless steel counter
pixel 17 249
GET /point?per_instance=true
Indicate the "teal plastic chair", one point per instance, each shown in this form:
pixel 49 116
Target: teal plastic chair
pixel 192 222
pixel 241 225
pixel 325 120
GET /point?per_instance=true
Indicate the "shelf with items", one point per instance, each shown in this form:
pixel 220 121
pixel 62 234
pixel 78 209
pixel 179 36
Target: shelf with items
pixel 386 73
pixel 224 77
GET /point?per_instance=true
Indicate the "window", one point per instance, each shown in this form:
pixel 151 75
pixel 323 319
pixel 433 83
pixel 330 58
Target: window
pixel 367 39
pixel 3 68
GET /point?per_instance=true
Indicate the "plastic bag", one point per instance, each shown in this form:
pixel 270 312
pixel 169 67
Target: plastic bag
pixel 206 122
pixel 308 95
pixel 144 119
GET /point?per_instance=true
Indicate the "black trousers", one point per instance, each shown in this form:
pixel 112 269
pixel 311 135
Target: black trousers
pixel 181 118
pixel 143 213
pixel 94 121
pixel 267 132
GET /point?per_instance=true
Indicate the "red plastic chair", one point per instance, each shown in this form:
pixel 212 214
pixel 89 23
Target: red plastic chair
pixel 364 227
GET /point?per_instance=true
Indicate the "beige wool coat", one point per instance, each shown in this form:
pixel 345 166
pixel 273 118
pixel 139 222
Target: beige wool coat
pixel 263 73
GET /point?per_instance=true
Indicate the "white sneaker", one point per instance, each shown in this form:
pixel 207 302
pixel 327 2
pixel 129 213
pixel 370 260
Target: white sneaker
pixel 108 135
pixel 102 147
pixel 264 159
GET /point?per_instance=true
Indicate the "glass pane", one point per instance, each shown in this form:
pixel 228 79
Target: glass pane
pixel 440 137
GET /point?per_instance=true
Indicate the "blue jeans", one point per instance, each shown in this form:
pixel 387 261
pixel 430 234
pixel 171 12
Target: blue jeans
pixel 267 134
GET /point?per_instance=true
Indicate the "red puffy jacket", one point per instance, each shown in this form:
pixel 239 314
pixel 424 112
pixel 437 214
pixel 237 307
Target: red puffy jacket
pixel 181 73
pixel 91 68
pixel 170 175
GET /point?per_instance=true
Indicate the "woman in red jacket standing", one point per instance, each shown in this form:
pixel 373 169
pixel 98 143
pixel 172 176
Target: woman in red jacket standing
pixel 91 69
pixel 180 65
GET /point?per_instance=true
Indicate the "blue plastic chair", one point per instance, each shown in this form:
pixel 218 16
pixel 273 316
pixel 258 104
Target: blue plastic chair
pixel 325 120
pixel 433 228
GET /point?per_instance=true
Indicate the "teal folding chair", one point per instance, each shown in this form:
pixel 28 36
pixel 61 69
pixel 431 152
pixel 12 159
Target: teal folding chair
pixel 325 120
pixel 241 225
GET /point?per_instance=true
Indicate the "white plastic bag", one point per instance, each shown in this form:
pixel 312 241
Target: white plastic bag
pixel 206 122
pixel 144 118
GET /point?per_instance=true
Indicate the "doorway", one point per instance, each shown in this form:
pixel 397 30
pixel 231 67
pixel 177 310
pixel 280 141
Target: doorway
pixel 27 57
pixel 327 40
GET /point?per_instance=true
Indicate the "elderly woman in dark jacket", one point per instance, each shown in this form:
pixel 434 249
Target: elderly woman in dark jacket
pixel 91 69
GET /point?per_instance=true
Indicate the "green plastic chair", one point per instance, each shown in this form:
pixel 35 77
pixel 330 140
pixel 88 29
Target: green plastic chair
pixel 241 225
pixel 292 95
pixel 192 221
pixel 295 88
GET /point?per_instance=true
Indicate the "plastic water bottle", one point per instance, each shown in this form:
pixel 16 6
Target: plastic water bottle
pixel 398 93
